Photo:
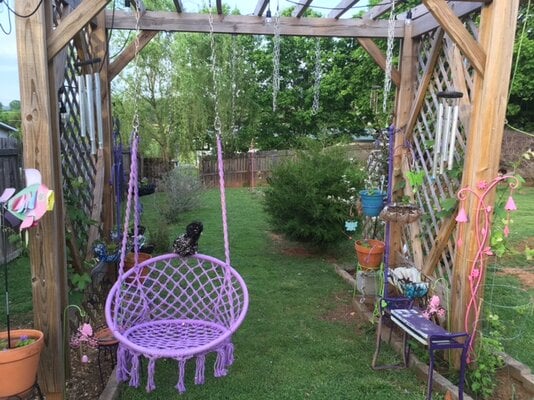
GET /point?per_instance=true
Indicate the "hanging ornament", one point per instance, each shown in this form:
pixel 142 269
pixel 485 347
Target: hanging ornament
pixel 317 73
pixel 276 57
pixel 389 56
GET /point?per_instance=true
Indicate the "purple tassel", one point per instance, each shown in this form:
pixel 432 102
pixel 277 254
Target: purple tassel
pixel 180 386
pixel 199 372
pixel 220 363
pixel 150 384
pixel 229 348
pixel 134 371
pixel 122 364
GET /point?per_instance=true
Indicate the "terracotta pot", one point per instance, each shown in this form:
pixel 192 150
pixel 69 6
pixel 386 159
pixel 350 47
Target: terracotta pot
pixel 370 253
pixel 129 263
pixel 18 365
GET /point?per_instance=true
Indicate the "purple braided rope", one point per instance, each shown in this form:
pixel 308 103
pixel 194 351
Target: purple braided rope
pixel 200 369
pixel 150 383
pixel 391 144
pixel 220 166
pixel 180 386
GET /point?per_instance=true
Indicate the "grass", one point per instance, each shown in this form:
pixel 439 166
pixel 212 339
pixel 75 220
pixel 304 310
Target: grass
pixel 289 346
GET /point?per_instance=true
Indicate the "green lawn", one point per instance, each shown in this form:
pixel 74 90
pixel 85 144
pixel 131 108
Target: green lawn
pixel 290 346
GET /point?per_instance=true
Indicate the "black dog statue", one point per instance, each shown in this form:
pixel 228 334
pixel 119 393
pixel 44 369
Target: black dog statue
pixel 187 244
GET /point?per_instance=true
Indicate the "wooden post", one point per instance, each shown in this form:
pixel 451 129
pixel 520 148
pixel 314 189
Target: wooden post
pixel 497 33
pixel 405 98
pixel 100 47
pixel 40 127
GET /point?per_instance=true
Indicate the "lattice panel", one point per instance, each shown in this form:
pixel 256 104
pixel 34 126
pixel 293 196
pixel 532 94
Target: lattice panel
pixel 452 72
pixel 78 164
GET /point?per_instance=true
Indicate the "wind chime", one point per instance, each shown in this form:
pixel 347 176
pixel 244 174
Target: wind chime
pixel 317 75
pixel 276 53
pixel 446 130
pixel 389 56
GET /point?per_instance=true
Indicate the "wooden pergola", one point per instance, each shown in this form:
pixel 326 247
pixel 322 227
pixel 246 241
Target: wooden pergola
pixel 478 62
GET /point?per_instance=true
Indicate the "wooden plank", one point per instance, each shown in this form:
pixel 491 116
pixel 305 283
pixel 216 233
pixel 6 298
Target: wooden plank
pixel 380 59
pixel 301 8
pixel 404 100
pixel 428 23
pixel 458 6
pixel 458 33
pixel 456 64
pixel 442 239
pixel 261 5
pixel 437 45
pixel 99 41
pixel 380 9
pixel 414 229
pixel 252 25
pixel 497 31
pixel 41 151
pixel 178 5
pixel 122 60
pixel 342 8
pixel 96 208
pixel 72 24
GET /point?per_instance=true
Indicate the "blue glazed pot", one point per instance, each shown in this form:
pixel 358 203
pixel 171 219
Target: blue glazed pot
pixel 372 203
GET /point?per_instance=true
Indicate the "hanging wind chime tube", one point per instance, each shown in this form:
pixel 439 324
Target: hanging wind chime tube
pixel 98 104
pixel 83 108
pixel 90 111
pixel 446 135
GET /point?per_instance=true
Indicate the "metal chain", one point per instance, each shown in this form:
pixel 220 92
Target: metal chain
pixel 234 82
pixel 317 73
pixel 276 57
pixel 137 84
pixel 389 56
pixel 217 120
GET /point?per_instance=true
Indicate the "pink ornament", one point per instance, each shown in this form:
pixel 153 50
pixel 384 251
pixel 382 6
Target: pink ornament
pixel 475 273
pixel 462 216
pixel 506 230
pixel 510 204
pixel 482 185
pixel 86 330
pixel 85 359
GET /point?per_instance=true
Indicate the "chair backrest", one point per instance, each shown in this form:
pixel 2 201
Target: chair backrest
pixel 169 287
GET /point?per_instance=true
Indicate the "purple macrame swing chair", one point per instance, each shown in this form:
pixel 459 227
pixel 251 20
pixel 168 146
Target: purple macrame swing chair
pixel 174 307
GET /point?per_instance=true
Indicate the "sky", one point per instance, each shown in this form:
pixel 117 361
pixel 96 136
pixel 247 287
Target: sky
pixel 9 82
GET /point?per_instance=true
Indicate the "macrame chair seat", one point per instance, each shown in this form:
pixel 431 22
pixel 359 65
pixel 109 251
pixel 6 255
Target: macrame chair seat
pixel 179 308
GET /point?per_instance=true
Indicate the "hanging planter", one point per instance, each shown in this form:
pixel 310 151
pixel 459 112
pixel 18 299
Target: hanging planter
pixel 370 253
pixel 19 361
pixel 404 213
pixel 372 202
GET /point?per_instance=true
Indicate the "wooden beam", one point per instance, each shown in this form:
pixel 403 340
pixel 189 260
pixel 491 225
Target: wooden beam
pixel 437 45
pixel 380 9
pixel 301 8
pixel 122 60
pixel 442 240
pixel 456 63
pixel 376 54
pixel 252 25
pixel 178 5
pixel 425 22
pixel 72 24
pixel 40 128
pixel 342 8
pixel 496 35
pixel 261 5
pixel 457 6
pixel 458 33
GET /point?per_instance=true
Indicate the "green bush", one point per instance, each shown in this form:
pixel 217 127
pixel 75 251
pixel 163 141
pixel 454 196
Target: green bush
pixel 310 197
pixel 183 189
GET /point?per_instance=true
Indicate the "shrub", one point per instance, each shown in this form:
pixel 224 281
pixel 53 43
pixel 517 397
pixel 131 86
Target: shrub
pixel 309 198
pixel 183 188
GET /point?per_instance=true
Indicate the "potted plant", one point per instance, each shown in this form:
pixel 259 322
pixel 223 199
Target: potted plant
pixel 370 253
pixel 372 198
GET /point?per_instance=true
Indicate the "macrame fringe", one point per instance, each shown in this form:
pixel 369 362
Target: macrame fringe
pixel 122 364
pixel 134 371
pixel 200 368
pixel 229 349
pixel 150 383
pixel 220 363
pixel 180 386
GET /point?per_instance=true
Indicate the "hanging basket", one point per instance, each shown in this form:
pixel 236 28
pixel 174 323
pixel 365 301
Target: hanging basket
pixel 404 213
pixel 372 202
pixel 18 365
pixel 370 253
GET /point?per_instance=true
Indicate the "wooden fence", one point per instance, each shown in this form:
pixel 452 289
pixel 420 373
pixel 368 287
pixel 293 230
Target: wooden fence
pixel 10 176
pixel 253 169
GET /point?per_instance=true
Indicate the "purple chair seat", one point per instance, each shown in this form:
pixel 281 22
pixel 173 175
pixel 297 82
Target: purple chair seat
pixel 179 308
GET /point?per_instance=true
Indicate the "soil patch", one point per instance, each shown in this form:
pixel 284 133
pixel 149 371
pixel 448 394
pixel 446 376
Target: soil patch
pixel 525 275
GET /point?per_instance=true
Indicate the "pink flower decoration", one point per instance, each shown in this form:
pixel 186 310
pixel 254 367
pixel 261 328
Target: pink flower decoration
pixel 441 312
pixel 487 251
pixel 434 302
pixel 510 204
pixel 482 185
pixel 506 231
pixel 462 216
pixel 86 330
pixel 460 242
pixel 426 314
pixel 85 359
pixel 475 273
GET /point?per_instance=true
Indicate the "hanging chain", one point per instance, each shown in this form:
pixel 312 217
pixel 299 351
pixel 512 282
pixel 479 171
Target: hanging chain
pixel 217 120
pixel 389 56
pixel 317 73
pixel 276 57
pixel 233 84
pixel 137 82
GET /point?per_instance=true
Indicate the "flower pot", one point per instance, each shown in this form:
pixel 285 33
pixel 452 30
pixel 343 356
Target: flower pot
pixel 18 365
pixel 372 202
pixel 129 263
pixel 370 253
pixel 403 213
